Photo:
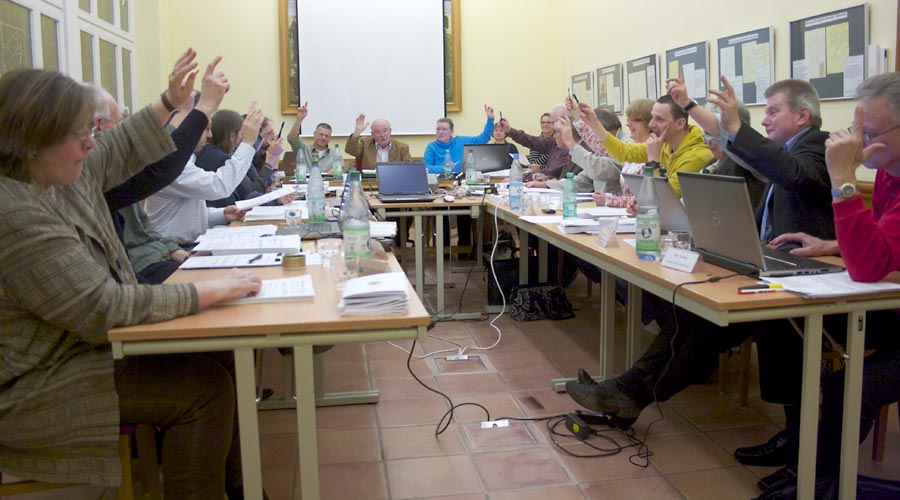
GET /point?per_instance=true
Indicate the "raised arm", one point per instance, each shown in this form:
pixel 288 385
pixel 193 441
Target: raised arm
pixel 705 118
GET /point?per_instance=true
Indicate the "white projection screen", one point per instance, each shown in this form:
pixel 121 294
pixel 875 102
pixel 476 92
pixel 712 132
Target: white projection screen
pixel 382 58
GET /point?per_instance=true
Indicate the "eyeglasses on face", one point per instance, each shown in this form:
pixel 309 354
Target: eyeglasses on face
pixel 868 138
pixel 86 133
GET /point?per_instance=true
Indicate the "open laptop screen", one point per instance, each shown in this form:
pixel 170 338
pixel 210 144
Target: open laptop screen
pixel 402 178
pixel 489 157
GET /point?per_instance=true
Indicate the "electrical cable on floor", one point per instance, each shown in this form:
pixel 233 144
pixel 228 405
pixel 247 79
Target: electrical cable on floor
pixel 643 451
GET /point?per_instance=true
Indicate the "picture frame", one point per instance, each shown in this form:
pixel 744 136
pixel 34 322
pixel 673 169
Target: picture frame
pixel 288 37
pixel 452 56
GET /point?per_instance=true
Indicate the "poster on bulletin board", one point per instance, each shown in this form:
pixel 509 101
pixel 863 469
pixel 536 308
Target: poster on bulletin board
pixel 609 88
pixel 693 60
pixel 583 88
pixel 829 51
pixel 643 78
pixel 747 60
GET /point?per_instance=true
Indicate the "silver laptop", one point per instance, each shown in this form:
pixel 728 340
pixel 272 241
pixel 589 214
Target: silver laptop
pixel 489 157
pixel 402 182
pixel 725 233
pixel 672 216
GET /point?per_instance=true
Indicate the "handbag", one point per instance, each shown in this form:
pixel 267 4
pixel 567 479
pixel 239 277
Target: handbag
pixel 536 302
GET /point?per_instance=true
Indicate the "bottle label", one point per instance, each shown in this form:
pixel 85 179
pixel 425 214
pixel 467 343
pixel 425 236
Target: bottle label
pixel 647 234
pixel 356 241
pixel 570 210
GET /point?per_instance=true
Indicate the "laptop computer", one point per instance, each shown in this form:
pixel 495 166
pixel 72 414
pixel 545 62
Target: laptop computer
pixel 725 233
pixel 672 216
pixel 489 157
pixel 402 182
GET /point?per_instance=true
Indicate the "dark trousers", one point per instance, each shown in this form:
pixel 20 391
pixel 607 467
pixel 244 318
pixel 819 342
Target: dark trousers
pixel 881 386
pixel 191 397
pixel 696 349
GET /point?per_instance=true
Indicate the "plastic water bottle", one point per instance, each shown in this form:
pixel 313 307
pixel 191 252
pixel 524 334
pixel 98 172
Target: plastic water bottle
pixel 315 196
pixel 471 171
pixel 276 177
pixel 337 171
pixel 647 226
pixel 448 166
pixel 515 185
pixel 570 198
pixel 355 215
pixel 302 168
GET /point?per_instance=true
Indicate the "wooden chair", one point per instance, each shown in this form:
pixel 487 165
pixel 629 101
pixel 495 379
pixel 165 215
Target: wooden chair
pixel 143 469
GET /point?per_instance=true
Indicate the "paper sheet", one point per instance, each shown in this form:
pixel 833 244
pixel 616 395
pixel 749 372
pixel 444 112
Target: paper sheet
pixel 259 200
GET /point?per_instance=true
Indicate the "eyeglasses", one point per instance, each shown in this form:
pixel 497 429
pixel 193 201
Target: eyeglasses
pixel 868 138
pixel 85 134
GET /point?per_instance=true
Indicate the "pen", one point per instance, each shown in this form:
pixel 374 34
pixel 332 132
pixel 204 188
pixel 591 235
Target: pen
pixel 281 129
pixel 574 96
pixel 254 259
pixel 501 114
pixel 767 288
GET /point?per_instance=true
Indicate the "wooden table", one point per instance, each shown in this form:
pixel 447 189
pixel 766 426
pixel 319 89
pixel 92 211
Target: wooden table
pixel 437 209
pixel 243 328
pixel 720 303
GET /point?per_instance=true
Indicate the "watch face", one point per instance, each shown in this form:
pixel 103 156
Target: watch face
pixel 848 191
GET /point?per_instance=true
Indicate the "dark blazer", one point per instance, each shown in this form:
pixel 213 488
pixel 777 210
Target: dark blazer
pixel 801 200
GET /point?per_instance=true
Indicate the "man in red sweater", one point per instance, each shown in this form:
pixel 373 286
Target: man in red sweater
pixel 869 242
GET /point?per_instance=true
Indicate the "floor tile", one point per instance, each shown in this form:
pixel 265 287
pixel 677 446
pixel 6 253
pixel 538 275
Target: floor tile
pixel 368 481
pixel 471 383
pixel 617 466
pixel 728 483
pixel 554 492
pixel 516 435
pixel 509 470
pixel 348 446
pixel 434 476
pixel 420 441
pixel 406 388
pixel 656 488
pixel 473 364
pixel 687 452
pixel 410 411
pixel 345 417
pixel 527 379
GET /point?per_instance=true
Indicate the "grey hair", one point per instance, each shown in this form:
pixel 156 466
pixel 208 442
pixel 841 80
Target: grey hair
pixel 887 85
pixel 799 94
pixel 104 102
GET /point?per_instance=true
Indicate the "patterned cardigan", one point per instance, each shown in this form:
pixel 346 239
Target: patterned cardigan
pixel 66 281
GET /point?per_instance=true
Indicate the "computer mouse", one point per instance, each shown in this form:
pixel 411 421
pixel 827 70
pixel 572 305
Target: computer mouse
pixel 449 198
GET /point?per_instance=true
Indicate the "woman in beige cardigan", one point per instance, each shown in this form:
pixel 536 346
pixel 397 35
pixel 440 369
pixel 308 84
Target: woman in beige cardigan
pixel 66 280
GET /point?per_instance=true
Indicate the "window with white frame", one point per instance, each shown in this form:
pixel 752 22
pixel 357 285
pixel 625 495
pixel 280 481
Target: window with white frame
pixel 90 40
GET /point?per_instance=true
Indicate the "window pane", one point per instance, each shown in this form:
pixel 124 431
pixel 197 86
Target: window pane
pixel 126 78
pixel 49 43
pixel 108 68
pixel 87 57
pixel 123 14
pixel 15 37
pixel 85 5
pixel 105 10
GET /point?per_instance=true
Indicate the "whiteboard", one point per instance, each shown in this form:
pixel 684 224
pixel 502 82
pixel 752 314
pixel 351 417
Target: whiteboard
pixel 360 56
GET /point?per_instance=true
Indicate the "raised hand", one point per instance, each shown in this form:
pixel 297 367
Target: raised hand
pixel 361 124
pixel 302 111
pixel 233 213
pixel 844 151
pixel 181 79
pixel 504 125
pixel 728 106
pixel 251 124
pixel 489 111
pixel 675 88
pixel 213 87
pixel 573 109
pixel 564 127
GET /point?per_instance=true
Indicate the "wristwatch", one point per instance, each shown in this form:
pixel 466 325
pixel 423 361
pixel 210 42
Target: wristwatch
pixel 690 106
pixel 845 192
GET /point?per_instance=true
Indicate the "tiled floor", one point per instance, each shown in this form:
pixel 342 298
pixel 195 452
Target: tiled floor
pixel 389 450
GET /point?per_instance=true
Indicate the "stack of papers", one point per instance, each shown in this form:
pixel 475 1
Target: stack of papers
pixel 375 295
pixel 280 290
pixel 572 226
pixel 276 212
pixel 230 261
pixel 265 244
pixel 831 285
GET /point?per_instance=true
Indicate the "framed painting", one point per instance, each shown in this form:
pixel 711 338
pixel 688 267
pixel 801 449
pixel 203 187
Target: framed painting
pixel 452 56
pixel 289 56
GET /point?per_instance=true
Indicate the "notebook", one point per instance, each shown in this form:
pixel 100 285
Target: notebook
pixel 402 182
pixel 672 216
pixel 489 157
pixel 725 233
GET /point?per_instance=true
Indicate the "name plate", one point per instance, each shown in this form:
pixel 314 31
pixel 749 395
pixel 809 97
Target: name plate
pixel 607 231
pixel 680 259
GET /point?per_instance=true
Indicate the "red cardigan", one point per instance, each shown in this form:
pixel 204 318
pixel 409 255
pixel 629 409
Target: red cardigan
pixel 870 239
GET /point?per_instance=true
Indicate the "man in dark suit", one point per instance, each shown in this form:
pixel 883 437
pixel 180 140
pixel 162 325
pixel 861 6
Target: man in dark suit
pixel 798 195
pixel 380 147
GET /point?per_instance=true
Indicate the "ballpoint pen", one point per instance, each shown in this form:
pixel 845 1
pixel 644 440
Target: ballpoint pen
pixel 281 130
pixel 764 288
pixel 255 258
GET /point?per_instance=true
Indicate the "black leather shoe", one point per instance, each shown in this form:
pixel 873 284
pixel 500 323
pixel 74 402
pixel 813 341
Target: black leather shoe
pixel 779 476
pixel 585 378
pixel 780 450
pixel 825 489
pixel 605 397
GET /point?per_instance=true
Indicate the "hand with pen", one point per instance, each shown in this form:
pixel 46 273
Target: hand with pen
pixel 590 118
